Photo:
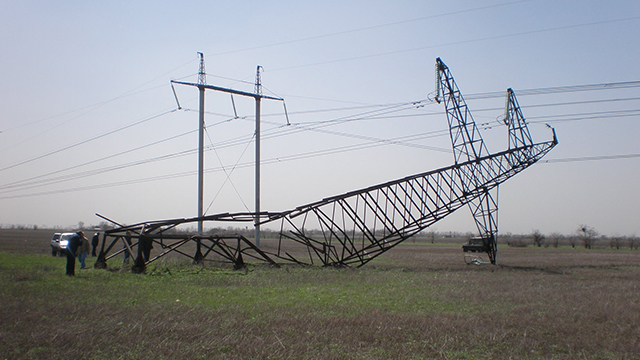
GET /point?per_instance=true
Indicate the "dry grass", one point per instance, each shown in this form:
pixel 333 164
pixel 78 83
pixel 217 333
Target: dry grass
pixel 419 301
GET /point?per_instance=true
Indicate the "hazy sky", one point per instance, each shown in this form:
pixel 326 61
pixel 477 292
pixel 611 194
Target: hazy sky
pixel 89 123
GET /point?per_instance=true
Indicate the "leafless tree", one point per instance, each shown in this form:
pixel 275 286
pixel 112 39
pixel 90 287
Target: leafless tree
pixel 103 225
pixel 538 238
pixel 615 242
pixel 588 235
pixel 555 239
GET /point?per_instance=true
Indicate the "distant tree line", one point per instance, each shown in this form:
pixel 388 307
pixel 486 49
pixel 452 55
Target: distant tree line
pixel 584 236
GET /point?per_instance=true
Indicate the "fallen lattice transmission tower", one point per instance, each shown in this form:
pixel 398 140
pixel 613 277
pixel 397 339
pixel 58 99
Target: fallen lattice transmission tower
pixel 354 228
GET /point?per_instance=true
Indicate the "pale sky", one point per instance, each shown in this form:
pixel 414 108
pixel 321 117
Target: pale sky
pixel 89 123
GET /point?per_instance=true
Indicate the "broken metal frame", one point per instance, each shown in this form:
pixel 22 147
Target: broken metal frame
pixel 229 249
pixel 361 225
pixel 356 227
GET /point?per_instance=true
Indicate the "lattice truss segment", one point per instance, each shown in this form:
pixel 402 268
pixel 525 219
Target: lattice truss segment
pixel 358 226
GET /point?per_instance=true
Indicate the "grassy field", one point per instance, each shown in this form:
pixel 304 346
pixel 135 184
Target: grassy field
pixel 418 301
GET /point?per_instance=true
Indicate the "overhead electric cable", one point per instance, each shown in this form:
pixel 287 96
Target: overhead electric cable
pixel 363 116
pixel 403 140
pixel 370 27
pixel 87 140
pixel 583 116
pixel 183 153
pixel 89 107
pixel 538 91
pixel 88 173
pixel 227 175
pixel 501 94
pixel 592 158
pixel 268 161
pixel 558 89
pixel 30 181
pixel 340 149
pixel 458 43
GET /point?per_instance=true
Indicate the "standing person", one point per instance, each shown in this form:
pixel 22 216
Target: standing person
pixel 146 243
pixel 72 249
pixel 83 250
pixel 94 243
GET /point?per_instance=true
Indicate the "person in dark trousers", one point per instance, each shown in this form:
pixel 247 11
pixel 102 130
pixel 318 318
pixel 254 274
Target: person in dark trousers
pixel 72 249
pixel 146 243
pixel 83 251
pixel 94 243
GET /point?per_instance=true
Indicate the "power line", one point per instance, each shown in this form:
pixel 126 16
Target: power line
pixel 495 37
pixel 369 28
pixel 376 114
pixel 30 181
pixel 557 90
pixel 22 184
pixel 592 158
pixel 280 133
pixel 310 154
pixel 227 174
pixel 277 160
pixel 86 141
pixel 584 116
pixel 525 92
pixel 89 109
pixel 495 94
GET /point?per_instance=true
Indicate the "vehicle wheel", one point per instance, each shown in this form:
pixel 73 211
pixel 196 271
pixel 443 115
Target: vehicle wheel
pixel 53 252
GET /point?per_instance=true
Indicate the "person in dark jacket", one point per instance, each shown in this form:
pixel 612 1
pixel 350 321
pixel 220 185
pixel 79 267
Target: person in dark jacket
pixel 72 249
pixel 83 251
pixel 95 240
pixel 146 244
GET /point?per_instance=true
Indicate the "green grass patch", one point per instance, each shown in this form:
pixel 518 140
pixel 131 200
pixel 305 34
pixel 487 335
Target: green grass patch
pixel 177 310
